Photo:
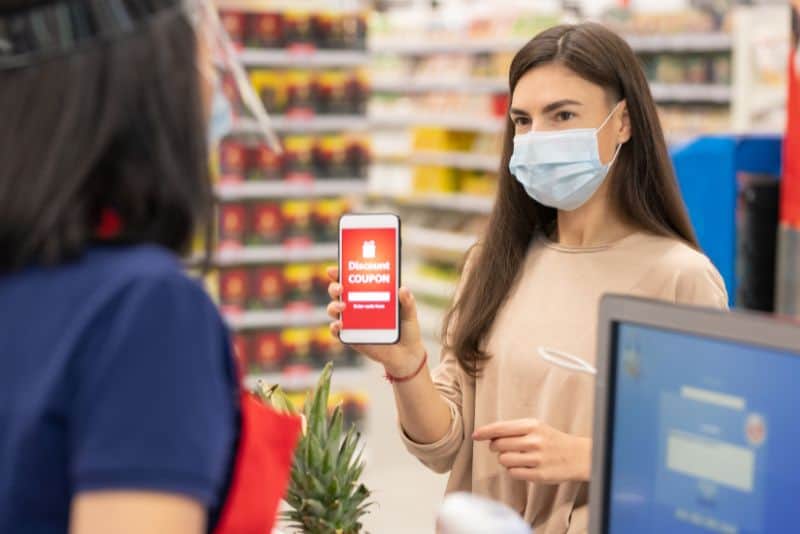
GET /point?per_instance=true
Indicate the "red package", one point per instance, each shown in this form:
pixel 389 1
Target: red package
pixel 267 288
pixel 235 23
pixel 233 160
pixel 266 164
pixel 266 30
pixel 268 352
pixel 266 225
pixel 232 224
pixel 233 289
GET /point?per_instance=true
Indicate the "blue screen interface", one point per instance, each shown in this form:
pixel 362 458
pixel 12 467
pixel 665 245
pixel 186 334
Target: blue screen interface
pixel 705 437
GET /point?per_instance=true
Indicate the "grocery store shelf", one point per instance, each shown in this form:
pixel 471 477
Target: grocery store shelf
pixel 450 202
pixel 681 42
pixel 458 160
pixel 281 189
pixel 276 254
pixel 452 121
pixel 678 42
pixel 429 85
pixel 419 47
pixel 312 123
pixel 691 92
pixel 279 57
pixel 342 378
pixel 431 287
pixel 438 241
pixel 430 320
pixel 276 318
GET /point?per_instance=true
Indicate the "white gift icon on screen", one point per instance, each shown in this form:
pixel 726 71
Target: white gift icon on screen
pixel 368 249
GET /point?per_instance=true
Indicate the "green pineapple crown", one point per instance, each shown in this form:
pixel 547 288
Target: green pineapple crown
pixel 325 495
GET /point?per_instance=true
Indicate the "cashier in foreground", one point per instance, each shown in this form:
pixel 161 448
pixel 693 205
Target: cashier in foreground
pixel 587 204
pixel 120 402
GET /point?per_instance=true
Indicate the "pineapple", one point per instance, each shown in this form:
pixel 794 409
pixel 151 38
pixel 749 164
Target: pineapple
pixel 324 494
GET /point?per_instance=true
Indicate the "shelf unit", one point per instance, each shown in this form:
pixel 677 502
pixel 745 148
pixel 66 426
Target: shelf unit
pixel 276 318
pixel 438 241
pixel 486 124
pixel 678 42
pixel 446 202
pixel 308 124
pixel 266 57
pixel 276 254
pixel 344 378
pixel 429 85
pixel 420 285
pixel 282 189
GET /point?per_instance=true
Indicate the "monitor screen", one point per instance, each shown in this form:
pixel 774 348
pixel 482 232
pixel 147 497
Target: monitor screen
pixel 704 435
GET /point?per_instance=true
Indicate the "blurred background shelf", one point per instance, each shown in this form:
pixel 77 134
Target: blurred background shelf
pixel 447 202
pixel 308 124
pixel 276 318
pixel 691 92
pixel 451 244
pixel 283 189
pixel 345 378
pixel 277 254
pixel 427 85
pixel 281 57
pixel 452 121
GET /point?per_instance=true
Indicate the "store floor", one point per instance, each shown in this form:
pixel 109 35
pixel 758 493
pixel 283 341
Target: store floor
pixel 406 493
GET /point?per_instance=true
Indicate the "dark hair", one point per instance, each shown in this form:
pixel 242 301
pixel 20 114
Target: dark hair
pixel 642 185
pixel 116 125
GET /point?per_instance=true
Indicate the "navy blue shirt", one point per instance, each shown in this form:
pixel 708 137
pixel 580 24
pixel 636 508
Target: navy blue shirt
pixel 115 373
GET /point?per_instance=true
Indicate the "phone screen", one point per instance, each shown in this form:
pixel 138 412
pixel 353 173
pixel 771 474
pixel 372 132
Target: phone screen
pixel 368 277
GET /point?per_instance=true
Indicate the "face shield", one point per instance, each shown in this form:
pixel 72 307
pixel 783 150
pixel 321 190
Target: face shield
pixel 32 35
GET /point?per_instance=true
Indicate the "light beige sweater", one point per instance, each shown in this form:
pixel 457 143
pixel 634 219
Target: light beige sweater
pixel 554 304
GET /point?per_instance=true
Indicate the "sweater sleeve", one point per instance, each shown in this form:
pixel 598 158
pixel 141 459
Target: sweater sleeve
pixel 701 285
pixel 450 380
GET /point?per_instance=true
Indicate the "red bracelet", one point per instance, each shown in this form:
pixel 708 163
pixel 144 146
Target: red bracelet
pixel 397 379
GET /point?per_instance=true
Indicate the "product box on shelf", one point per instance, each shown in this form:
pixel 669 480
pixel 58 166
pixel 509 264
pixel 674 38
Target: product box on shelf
pixel 268 352
pixel 297 219
pixel 266 223
pixel 327 348
pixel 321 282
pixel 233 160
pixel 326 216
pixel 297 342
pixel 234 289
pixel 233 220
pixel 299 278
pixel 298 157
pixel 264 163
pixel 329 156
pixel 272 87
pixel 297 29
pixel 267 288
pixel 264 30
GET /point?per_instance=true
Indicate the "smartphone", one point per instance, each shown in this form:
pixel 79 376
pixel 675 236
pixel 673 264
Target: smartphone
pixel 369 272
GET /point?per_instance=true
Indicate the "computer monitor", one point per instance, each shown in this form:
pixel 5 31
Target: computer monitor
pixel 697 421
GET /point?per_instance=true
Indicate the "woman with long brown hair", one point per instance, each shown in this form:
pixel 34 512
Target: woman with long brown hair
pixel 587 204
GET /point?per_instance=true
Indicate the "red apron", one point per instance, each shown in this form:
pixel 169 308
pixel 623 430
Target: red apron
pixel 261 469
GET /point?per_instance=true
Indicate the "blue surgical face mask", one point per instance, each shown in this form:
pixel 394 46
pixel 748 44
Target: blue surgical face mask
pixel 560 169
pixel 221 121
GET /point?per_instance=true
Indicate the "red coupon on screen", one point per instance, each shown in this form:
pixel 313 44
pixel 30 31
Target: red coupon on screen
pixel 369 270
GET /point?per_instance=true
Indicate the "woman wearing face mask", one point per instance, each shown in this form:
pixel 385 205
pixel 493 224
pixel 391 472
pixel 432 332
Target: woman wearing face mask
pixel 587 205
pixel 119 398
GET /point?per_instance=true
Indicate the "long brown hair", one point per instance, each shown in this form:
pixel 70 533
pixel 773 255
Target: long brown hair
pixel 642 184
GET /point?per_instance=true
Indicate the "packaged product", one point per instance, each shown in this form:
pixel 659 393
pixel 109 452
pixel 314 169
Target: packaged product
pixel 297 158
pixel 233 159
pixel 299 279
pixel 272 87
pixel 297 29
pixel 233 289
pixel 235 23
pixel 266 223
pixel 232 224
pixel 297 218
pixel 267 288
pixel 265 163
pixel 298 346
pixel 265 30
pixel 325 216
pixel 268 353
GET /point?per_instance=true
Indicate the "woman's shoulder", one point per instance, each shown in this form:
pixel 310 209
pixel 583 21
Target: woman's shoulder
pixel 685 272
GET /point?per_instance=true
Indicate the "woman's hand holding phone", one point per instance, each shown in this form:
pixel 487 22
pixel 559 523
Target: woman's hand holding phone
pixel 399 359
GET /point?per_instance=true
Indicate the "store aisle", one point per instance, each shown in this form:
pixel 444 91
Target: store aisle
pixel 408 493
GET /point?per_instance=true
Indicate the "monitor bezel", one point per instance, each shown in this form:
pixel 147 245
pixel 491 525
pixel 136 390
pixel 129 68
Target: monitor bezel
pixel 755 329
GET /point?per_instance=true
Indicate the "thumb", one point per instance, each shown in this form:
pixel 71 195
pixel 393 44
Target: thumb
pixel 408 305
